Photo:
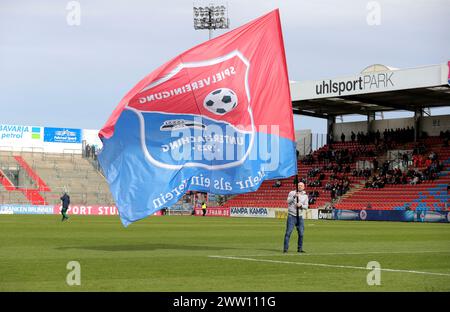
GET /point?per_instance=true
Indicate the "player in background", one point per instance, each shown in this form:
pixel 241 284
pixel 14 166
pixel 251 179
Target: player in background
pixel 65 199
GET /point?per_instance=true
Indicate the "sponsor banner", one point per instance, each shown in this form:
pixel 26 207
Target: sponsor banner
pixel 183 206
pixel 392 215
pixel 62 135
pixel 390 80
pixel 45 139
pixel 214 212
pixel 18 135
pixel 252 212
pixel 325 214
pixel 311 214
pixel 88 210
pixel 262 212
pixel 179 212
pixel 96 210
pixel 26 209
pixel 280 213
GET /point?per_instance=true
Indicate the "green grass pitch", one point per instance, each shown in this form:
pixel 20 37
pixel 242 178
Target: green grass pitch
pixel 219 254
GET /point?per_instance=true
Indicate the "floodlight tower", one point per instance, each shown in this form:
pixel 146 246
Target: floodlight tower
pixel 211 17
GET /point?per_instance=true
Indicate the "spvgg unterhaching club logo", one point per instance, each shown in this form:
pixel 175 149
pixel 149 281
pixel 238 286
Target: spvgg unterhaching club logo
pixel 363 83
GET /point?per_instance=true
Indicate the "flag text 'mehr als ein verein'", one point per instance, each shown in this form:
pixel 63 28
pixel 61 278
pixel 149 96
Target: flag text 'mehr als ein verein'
pixel 217 118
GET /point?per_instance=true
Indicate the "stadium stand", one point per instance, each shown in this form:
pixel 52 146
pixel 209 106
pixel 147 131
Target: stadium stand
pixel 326 173
pixel 40 179
pixel 334 165
pixel 333 174
pixel 425 195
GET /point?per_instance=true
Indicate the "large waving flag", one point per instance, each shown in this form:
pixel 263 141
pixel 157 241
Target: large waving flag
pixel 217 118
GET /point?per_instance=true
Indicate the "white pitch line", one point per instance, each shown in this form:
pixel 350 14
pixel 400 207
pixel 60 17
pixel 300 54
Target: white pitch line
pixel 327 265
pixel 345 253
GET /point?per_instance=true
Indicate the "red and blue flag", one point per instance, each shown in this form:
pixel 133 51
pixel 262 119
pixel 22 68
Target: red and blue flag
pixel 217 118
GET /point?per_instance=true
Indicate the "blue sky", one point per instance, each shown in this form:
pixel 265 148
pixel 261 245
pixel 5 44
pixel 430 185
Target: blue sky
pixel 53 74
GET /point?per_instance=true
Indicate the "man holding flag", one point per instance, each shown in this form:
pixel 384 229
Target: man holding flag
pixel 217 118
pixel 297 203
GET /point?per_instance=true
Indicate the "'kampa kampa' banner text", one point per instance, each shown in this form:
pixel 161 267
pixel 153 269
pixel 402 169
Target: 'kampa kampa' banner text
pixel 217 119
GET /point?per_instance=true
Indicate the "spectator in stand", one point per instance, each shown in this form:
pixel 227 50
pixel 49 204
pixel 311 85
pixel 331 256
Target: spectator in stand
pixel 96 151
pixel 277 183
pixel 428 162
pixel 312 197
pixel 421 160
pixel 88 151
pixel 375 164
pixel 404 179
pixel 405 158
pixel 378 135
pixel 415 159
pixel 385 167
pixel 433 156
pixel 353 136
pixel 93 152
pixel 343 137
pixel 333 193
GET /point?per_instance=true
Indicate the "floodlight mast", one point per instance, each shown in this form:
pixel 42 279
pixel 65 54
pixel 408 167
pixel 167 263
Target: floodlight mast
pixel 211 17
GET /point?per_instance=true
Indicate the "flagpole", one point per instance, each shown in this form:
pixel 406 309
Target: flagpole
pixel 296 182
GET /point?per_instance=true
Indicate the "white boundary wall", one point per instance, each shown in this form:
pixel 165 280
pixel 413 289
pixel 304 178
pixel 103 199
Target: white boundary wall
pixel 46 139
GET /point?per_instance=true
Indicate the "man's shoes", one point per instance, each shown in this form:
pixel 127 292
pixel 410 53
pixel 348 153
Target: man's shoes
pixel 301 250
pixel 285 251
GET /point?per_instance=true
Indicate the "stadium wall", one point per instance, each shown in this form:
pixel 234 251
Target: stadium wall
pixel 303 141
pixel 246 212
pixel 23 138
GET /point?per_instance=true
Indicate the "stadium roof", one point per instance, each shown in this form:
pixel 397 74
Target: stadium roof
pixel 377 88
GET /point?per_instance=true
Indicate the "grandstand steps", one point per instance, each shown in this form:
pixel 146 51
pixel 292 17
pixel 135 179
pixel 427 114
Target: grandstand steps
pixel 12 197
pixel 428 195
pixel 354 189
pixel 53 174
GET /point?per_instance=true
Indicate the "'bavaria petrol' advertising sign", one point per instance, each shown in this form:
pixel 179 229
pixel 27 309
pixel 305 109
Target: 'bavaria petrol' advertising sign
pixel 19 133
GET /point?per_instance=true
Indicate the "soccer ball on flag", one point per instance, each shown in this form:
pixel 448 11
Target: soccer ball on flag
pixel 221 101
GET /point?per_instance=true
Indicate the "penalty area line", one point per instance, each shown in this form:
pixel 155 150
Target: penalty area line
pixel 327 265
